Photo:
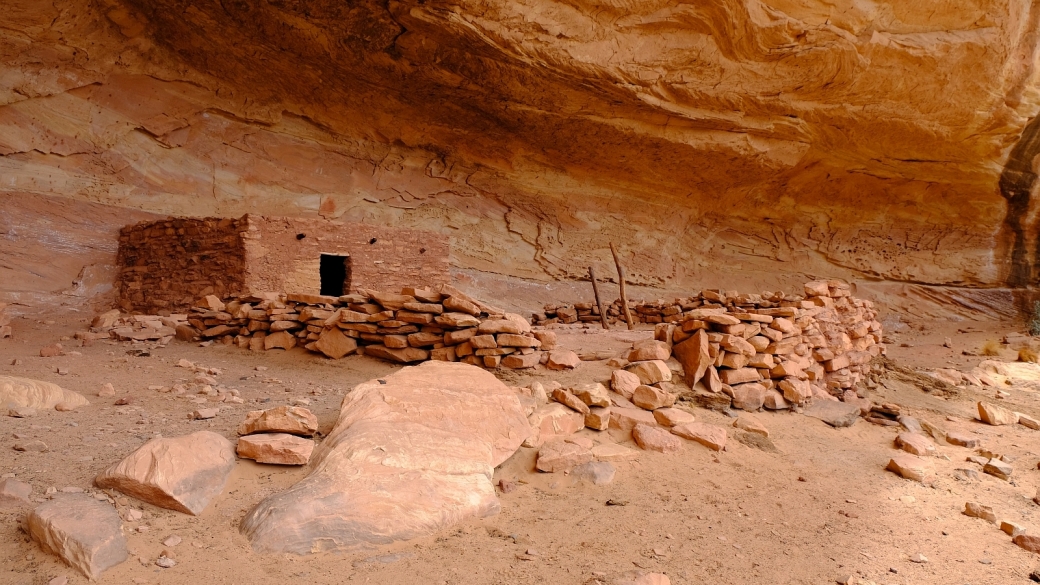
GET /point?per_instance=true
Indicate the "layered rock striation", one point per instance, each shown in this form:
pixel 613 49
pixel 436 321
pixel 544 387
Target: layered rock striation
pixel 873 139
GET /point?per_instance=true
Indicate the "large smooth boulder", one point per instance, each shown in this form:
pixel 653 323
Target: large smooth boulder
pixel 179 473
pixel 23 392
pixel 82 531
pixel 412 453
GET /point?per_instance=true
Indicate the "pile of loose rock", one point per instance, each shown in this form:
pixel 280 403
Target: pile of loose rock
pixel 5 322
pixel 771 356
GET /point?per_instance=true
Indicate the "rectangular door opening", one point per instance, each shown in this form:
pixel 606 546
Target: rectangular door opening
pixel 335 275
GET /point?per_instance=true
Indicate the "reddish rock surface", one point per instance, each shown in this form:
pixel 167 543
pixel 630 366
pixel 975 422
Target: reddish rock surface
pixel 294 420
pixel 180 473
pixel 275 448
pixel 84 532
pixel 407 457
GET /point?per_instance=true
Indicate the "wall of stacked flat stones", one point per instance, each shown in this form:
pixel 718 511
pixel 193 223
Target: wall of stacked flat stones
pixel 824 336
pixel 168 265
pixel 381 258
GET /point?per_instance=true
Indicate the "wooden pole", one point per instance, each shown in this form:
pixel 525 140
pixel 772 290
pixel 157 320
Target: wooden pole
pixel 621 282
pixel 599 303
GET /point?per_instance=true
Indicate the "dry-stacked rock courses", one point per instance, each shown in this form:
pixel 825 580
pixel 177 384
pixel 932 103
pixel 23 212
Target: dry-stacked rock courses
pixel 766 353
pixel 413 326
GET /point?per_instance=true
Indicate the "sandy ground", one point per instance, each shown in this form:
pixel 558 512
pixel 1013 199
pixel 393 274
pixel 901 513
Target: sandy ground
pixel 816 508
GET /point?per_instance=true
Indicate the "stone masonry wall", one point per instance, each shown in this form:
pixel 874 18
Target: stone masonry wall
pixel 278 259
pixel 168 265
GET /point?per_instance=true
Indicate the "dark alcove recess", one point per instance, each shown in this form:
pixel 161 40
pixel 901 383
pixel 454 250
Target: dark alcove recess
pixel 335 275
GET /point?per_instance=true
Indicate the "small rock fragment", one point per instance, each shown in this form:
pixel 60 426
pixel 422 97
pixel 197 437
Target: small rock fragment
pixel 1029 542
pixel 653 438
pixel 751 425
pixel 598 418
pixel 1012 529
pixel 998 469
pixel 21 412
pixel 31 447
pixel 276 448
pixel 977 510
pixel 963 439
pixel 670 417
pixel 915 443
pixel 710 436
pixel 614 452
pixel 836 414
pixel 559 456
pixel 595 472
pixel 14 493
pixel 911 467
pixel 996 415
pixel 651 398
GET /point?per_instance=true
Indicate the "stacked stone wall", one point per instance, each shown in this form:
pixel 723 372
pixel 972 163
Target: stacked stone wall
pixel 168 265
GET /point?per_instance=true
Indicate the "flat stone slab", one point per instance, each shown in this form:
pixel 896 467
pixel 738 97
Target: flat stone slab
pixel 595 472
pixel 276 448
pixel 412 453
pixel 836 414
pixel 179 473
pixel 14 493
pixel 82 531
pixel 294 420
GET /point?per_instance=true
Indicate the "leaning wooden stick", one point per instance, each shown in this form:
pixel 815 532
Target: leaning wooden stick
pixel 621 282
pixel 599 303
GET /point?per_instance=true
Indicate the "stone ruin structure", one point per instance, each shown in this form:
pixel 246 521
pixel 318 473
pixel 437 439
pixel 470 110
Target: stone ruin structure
pixel 770 350
pixel 166 266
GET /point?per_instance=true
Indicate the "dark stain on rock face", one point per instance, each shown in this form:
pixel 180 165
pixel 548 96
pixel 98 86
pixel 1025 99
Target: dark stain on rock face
pixel 1016 184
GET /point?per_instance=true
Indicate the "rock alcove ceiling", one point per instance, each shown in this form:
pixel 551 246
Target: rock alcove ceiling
pixel 883 140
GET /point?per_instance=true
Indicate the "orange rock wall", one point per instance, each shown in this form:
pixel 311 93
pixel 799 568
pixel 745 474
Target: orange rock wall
pixel 876 139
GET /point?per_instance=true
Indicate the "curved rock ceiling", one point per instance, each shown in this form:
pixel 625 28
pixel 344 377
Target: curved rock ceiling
pixel 843 137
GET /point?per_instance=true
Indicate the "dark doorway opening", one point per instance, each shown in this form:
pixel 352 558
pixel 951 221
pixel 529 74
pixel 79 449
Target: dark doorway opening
pixel 335 275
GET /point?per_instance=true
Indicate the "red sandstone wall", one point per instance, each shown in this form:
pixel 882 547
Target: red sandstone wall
pixel 277 261
pixel 168 265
